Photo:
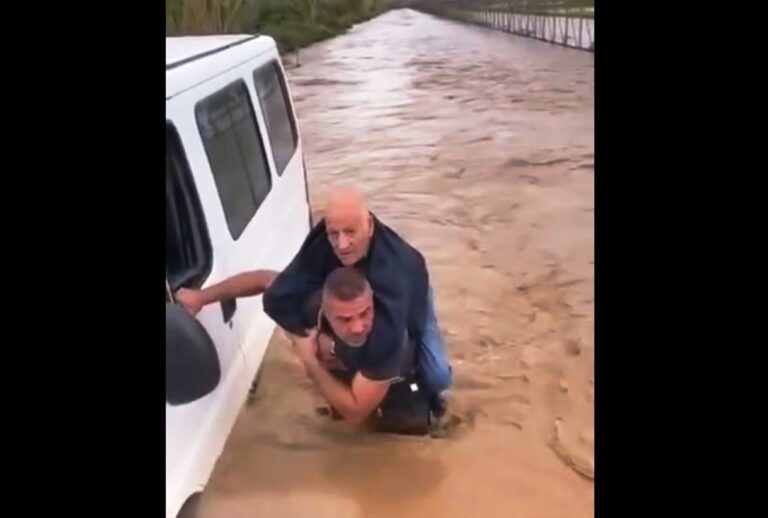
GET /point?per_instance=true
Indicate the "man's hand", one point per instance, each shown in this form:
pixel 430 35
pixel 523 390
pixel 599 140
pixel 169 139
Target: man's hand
pixel 246 284
pixel 191 300
pixel 325 352
pixel 306 347
pixel 317 348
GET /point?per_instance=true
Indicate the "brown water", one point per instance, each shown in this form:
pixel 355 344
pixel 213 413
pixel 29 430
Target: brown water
pixel 477 146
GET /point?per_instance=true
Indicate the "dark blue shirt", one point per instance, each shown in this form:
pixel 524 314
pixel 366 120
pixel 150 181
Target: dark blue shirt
pixel 398 276
pixel 400 362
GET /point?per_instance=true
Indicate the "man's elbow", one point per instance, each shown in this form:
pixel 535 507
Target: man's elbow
pixel 268 303
pixel 356 417
pixel 355 421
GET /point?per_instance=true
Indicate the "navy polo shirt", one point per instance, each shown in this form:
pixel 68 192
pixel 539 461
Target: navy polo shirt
pixel 399 364
pixel 397 273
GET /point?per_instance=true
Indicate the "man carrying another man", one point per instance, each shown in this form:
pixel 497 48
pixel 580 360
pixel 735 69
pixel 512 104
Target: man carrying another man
pixel 400 313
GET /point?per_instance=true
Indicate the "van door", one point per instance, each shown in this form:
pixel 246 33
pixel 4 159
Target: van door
pixel 189 253
pixel 195 432
pixel 230 129
pixel 283 221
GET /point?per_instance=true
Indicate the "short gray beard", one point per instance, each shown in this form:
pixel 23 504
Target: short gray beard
pixel 355 344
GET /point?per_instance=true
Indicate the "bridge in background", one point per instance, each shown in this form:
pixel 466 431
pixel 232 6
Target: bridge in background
pixel 569 23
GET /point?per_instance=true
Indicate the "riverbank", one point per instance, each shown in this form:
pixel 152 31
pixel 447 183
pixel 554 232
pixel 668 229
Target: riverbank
pixel 293 24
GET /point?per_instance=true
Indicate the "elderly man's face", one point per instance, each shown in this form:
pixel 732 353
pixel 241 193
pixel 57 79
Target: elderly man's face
pixel 351 320
pixel 349 231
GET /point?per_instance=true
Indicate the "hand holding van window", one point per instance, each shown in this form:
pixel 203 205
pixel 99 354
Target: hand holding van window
pixel 191 300
pixel 247 284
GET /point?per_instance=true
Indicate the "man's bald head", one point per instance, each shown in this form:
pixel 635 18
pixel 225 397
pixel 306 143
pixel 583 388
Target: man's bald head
pixel 349 224
pixel 346 200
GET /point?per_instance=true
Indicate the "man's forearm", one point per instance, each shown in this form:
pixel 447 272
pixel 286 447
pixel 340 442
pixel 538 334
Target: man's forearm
pixel 247 284
pixel 338 395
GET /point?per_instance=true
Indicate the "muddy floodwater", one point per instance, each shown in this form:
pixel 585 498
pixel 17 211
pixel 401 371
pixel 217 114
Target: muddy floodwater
pixel 476 146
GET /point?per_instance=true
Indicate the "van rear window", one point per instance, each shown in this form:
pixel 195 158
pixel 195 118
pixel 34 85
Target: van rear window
pixel 235 151
pixel 276 105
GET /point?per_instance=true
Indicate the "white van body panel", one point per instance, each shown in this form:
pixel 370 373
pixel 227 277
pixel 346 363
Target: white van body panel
pixel 196 68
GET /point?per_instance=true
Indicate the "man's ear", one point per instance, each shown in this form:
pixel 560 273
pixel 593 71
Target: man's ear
pixel 370 225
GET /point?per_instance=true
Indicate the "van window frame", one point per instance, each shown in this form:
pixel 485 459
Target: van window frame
pixel 200 105
pixel 199 273
pixel 289 109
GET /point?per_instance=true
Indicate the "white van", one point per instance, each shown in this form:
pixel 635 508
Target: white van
pixel 236 200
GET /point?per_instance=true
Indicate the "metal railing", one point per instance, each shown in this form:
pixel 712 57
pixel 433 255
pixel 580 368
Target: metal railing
pixel 569 23
pixel 569 31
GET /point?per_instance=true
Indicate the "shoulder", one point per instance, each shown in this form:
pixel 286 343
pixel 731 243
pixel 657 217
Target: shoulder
pixel 316 250
pixel 395 246
pixel 316 235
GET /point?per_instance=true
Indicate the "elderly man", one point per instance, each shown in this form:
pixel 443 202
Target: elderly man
pixel 350 235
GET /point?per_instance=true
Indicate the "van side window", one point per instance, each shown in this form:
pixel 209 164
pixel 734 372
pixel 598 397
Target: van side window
pixel 276 105
pixel 188 253
pixel 235 152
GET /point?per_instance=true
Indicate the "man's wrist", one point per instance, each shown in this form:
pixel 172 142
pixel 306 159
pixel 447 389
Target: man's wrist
pixel 310 360
pixel 311 365
pixel 208 295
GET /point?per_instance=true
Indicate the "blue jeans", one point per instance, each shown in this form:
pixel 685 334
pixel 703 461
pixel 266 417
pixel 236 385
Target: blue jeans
pixel 433 360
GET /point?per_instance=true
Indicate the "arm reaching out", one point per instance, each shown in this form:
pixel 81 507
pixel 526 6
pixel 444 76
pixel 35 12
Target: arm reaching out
pixel 247 284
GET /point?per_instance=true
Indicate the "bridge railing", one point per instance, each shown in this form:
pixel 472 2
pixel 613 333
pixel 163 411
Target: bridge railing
pixel 569 23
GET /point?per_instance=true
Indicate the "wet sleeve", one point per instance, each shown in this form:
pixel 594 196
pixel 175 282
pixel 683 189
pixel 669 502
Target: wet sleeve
pixel 286 300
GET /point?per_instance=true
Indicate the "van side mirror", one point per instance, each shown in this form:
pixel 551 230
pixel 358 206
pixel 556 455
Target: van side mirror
pixel 192 368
